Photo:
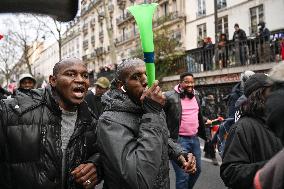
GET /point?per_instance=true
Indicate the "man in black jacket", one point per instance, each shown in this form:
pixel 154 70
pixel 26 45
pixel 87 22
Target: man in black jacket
pixel 133 135
pixel 185 123
pixel 26 83
pixel 263 37
pixel 94 100
pixel 240 38
pixel 46 138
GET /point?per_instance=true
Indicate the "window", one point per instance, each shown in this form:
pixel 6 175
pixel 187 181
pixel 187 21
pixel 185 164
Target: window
pixel 123 33
pixel 123 13
pixel 174 6
pixel 201 8
pixel 223 25
pixel 256 16
pixel 221 4
pixel 134 29
pixel 165 7
pixel 201 32
pixel 101 29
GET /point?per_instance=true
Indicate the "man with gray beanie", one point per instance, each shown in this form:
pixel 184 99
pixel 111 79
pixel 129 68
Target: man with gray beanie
pixel 237 92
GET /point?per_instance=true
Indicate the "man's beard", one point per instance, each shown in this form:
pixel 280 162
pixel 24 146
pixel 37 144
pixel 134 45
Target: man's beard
pixel 185 93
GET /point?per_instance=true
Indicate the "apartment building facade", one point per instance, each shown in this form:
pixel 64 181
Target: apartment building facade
pixel 43 66
pixel 72 40
pixel 247 13
pixel 97 19
pixel 219 77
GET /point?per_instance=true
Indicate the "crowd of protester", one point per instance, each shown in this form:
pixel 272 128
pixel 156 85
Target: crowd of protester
pixel 125 133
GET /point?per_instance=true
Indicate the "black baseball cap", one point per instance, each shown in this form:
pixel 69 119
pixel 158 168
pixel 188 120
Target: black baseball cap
pixel 257 81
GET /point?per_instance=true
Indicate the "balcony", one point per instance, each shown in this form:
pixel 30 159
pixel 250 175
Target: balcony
pixel 201 13
pixel 124 38
pixel 252 52
pixel 122 19
pixel 167 18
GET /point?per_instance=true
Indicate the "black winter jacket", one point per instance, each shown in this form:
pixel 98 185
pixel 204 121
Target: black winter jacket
pixel 235 94
pixel 249 146
pixel 134 145
pixel 30 142
pixel 173 114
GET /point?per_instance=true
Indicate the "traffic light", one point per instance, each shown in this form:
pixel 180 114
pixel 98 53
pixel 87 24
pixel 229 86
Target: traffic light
pixel 61 10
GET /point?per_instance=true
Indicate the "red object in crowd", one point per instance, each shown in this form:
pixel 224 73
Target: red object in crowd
pixel 282 48
pixel 220 118
pixel 1 36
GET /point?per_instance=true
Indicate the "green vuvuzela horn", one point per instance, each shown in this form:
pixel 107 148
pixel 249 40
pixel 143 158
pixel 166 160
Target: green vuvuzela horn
pixel 143 15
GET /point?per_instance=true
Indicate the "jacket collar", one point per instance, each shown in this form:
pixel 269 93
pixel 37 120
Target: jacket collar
pixel 84 114
pixel 115 100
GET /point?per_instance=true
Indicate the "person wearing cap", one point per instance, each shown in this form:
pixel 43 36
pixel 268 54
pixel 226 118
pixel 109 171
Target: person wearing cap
pixel 94 100
pixel 250 143
pixel 26 83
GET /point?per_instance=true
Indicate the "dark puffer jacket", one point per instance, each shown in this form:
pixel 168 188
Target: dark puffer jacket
pixel 30 142
pixel 134 145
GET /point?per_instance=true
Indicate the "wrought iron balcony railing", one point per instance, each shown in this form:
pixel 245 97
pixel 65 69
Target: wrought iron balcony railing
pixel 232 54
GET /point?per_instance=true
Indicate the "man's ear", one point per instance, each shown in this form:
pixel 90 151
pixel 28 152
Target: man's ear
pixel 119 84
pixel 52 80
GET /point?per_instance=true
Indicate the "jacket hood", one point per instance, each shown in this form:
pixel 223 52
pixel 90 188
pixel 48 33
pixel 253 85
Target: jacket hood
pixel 240 101
pixel 238 88
pixel 176 88
pixel 115 100
pixel 274 113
